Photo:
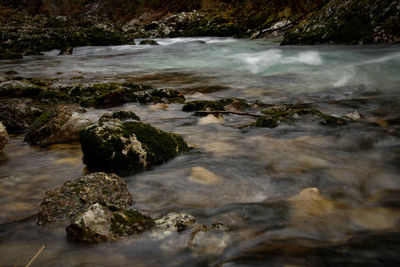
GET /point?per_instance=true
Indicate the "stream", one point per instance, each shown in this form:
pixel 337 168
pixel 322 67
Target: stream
pixel 299 194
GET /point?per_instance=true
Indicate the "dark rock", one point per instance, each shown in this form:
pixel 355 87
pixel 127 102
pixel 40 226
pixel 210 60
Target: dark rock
pixel 127 147
pixel 119 116
pixel 108 95
pixel 7 54
pixel 66 51
pixel 167 96
pixel 202 105
pixel 12 72
pixel 3 136
pixel 58 126
pixel 99 223
pixel 17 116
pixel 19 89
pixel 349 22
pixel 148 42
pixel 274 116
pixel 65 202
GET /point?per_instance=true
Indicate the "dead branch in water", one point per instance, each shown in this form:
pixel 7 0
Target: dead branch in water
pixel 36 255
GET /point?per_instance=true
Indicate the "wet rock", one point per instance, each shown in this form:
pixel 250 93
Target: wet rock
pixel 3 136
pixel 203 176
pixel 12 72
pixel 99 223
pixel 175 221
pixel 124 147
pixel 76 196
pixel 66 51
pixel 350 22
pixel 7 54
pixel 58 126
pixel 202 105
pixel 19 89
pixel 17 115
pixel 274 116
pixel 210 240
pixel 355 116
pixel 108 95
pixel 167 96
pixel 211 118
pixel 148 42
pixel 119 116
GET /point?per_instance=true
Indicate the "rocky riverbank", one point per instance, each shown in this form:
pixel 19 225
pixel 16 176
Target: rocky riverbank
pixel 349 22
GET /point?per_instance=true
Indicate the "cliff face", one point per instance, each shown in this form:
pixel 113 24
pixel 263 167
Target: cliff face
pixel 349 22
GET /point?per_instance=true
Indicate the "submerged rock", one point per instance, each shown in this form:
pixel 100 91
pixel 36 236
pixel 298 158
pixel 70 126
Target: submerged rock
pixel 148 42
pixel 58 126
pixel 66 51
pixel 99 223
pixel 220 105
pixel 65 202
pixel 3 136
pixel 119 116
pixel 17 115
pixel 274 116
pixel 124 147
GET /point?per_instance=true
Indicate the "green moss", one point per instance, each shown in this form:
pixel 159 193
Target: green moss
pixel 266 121
pixel 41 120
pixel 275 115
pixel 103 150
pixel 20 91
pixel 276 112
pixel 130 222
pixel 201 105
pixel 125 115
pixel 9 55
pixel 159 145
pixel 171 95
pixel 54 96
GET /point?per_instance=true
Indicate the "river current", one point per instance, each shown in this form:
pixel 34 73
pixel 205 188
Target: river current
pixel 299 194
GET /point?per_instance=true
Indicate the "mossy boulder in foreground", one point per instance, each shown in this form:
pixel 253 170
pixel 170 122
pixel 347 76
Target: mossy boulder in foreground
pixel 101 223
pixel 65 202
pixel 95 207
pixel 123 147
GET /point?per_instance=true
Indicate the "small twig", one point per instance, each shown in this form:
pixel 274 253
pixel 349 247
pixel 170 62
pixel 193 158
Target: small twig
pixel 228 112
pixel 36 255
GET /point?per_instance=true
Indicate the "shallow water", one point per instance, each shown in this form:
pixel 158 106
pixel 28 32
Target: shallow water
pixel 299 194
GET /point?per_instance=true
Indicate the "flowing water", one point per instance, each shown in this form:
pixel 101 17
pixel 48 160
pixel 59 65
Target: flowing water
pixel 299 194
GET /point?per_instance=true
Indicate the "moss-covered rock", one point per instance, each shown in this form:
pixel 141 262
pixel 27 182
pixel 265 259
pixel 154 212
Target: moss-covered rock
pixel 274 116
pixel 17 115
pixel 202 105
pixel 349 22
pixel 167 95
pixel 56 126
pixel 109 95
pixel 7 54
pixel 3 136
pixel 127 147
pixel 119 116
pixel 148 42
pixel 65 202
pixel 103 223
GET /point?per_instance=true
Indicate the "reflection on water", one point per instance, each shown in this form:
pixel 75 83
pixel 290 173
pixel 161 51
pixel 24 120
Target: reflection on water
pixel 298 194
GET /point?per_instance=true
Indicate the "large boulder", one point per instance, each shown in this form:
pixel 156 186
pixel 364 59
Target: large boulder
pixel 124 147
pixel 3 136
pixel 66 202
pixel 58 126
pixel 17 115
pixel 350 22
